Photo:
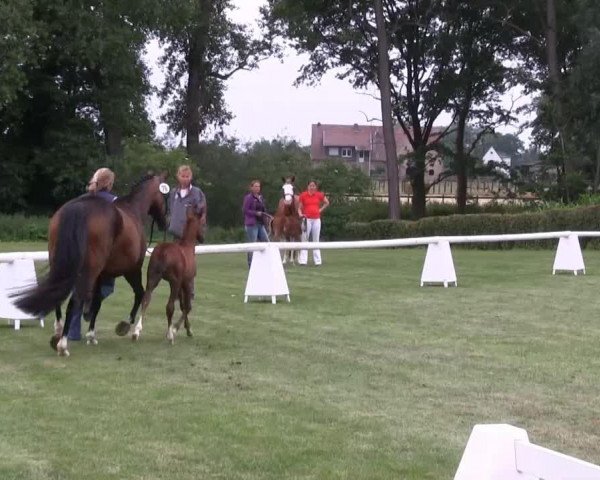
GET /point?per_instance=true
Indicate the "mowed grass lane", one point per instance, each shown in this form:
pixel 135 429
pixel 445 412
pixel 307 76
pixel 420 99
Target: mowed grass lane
pixel 365 375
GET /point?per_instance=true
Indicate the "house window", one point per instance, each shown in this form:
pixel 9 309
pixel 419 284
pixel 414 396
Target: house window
pixel 361 156
pixel 346 152
pixel 334 152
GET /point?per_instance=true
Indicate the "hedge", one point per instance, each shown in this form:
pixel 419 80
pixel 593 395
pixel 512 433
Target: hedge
pixel 336 227
pixel 573 219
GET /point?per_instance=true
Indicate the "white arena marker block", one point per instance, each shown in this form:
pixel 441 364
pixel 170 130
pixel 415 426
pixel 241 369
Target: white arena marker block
pixel 568 256
pixel 15 276
pixel 490 454
pixel 266 277
pixel 439 266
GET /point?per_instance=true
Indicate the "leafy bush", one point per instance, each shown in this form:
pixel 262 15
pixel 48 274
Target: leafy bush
pixel 17 228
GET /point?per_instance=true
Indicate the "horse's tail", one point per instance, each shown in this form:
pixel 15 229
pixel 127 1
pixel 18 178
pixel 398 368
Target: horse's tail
pixel 66 266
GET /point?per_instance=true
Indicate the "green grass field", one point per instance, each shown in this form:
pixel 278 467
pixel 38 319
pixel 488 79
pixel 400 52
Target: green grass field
pixel 365 375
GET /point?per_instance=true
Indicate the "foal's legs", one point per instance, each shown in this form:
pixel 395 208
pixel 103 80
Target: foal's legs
pixel 175 288
pixel 185 303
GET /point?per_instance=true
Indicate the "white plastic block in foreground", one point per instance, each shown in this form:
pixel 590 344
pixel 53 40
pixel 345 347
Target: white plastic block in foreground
pixel 490 454
pixel 439 266
pixel 266 277
pixel 14 277
pixel 568 256
pixel 503 452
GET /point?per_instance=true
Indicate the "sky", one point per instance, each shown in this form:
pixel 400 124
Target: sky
pixel 265 104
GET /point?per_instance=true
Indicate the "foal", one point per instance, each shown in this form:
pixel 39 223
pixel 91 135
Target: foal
pixel 174 262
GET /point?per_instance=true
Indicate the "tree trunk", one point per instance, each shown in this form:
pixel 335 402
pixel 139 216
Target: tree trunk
pixel 418 195
pixel 113 140
pixel 460 166
pixel 193 99
pixel 555 81
pixel 389 139
pixel 597 173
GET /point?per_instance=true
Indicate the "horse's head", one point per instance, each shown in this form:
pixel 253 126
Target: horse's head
pixel 155 193
pixel 288 193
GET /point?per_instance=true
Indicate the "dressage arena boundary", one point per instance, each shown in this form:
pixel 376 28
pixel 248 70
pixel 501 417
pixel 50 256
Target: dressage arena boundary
pixel 266 277
pixel 492 451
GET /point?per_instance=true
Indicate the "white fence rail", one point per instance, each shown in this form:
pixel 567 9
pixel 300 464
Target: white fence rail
pixel 503 452
pixel 267 277
pixel 359 244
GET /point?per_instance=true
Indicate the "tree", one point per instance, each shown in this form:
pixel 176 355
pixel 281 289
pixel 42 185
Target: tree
pixel 78 86
pixel 425 69
pixel 482 48
pixel 203 48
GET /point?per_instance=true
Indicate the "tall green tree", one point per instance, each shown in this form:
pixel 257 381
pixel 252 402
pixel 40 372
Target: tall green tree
pixel 203 48
pixel 436 49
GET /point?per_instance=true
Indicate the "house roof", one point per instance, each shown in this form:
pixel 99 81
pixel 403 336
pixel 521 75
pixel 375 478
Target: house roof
pixel 360 137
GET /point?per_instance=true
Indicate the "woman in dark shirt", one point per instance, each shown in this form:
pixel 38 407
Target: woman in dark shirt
pixel 254 215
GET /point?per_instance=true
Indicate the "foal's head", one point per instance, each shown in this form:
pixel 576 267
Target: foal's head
pixel 193 231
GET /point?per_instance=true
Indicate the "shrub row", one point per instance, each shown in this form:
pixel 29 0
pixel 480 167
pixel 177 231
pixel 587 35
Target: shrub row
pixel 575 219
pixel 340 223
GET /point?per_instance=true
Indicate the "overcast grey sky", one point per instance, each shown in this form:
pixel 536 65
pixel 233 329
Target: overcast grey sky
pixel 266 104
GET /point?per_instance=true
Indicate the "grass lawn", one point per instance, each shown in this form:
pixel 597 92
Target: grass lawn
pixel 365 375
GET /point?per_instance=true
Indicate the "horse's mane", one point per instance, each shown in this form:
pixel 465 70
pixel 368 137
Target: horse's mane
pixel 137 186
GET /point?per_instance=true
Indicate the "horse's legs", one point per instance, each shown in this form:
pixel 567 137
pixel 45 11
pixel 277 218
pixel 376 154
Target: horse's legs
pixel 92 314
pixel 151 282
pixel 75 305
pixel 135 280
pixel 58 327
pixel 174 295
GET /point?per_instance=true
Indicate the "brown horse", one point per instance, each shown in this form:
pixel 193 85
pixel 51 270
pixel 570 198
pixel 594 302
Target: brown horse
pixel 286 225
pixel 174 262
pixel 90 239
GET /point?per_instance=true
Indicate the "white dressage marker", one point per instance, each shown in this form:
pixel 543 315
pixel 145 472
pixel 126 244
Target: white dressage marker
pixel 568 255
pixel 267 276
pixel 14 276
pixel 439 266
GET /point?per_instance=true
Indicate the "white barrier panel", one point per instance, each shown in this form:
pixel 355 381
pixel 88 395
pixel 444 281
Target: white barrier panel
pixel 568 255
pixel 439 266
pixel 14 276
pixel 503 452
pixel 266 277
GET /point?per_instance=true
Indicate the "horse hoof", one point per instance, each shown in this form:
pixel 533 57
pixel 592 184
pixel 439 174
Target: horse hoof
pixel 122 328
pixel 54 339
pixel 63 353
pixel 92 341
pixel 190 333
pixel 135 337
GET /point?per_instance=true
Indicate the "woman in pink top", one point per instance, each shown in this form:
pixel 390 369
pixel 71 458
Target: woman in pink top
pixel 312 202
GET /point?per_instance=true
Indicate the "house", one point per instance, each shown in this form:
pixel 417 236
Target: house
pixel 362 146
pixel 499 158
